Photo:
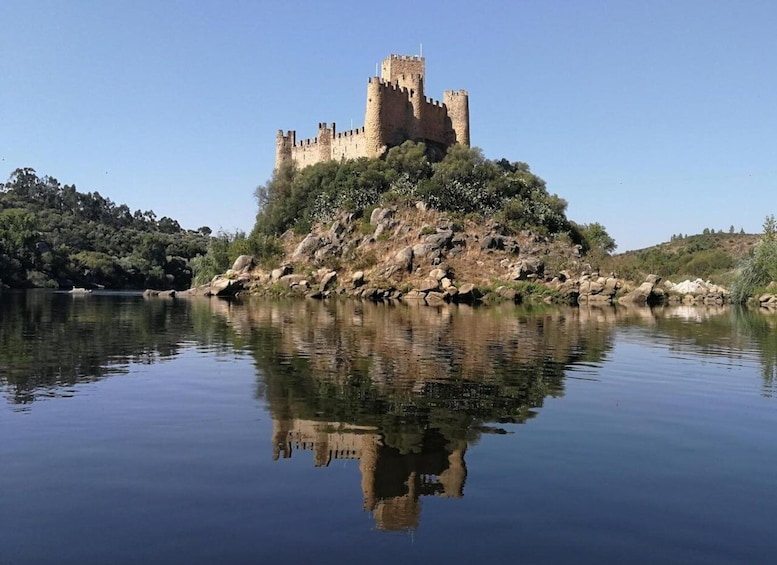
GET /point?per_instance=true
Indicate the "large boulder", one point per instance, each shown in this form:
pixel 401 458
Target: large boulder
pixel 306 248
pixel 292 280
pixel 440 239
pixel 357 279
pixel 531 267
pixel 435 298
pixel 767 300
pixel 438 274
pixel 641 295
pixel 404 258
pixel 380 214
pixel 414 295
pixel 281 271
pixel 492 242
pixel 429 284
pixel 423 249
pixel 336 230
pixel 328 280
pixel 243 264
pixel 467 292
pixel 325 252
pixel 507 293
pixel 223 286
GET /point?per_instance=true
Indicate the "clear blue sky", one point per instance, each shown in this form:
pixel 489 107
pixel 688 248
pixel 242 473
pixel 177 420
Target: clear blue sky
pixel 651 117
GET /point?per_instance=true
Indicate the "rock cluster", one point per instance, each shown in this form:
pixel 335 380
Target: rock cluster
pixel 767 300
pixel 597 289
pixel 696 292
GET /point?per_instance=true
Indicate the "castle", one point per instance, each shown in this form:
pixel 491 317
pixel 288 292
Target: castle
pixel 397 111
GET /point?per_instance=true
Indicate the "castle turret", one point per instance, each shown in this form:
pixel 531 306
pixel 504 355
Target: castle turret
pixel 283 146
pixel 457 103
pixel 372 119
pixel 325 136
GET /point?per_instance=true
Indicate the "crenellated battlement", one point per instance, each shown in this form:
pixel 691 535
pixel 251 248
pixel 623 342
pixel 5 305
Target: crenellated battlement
pixel 350 132
pixel 397 110
pixel 390 85
pixel 407 57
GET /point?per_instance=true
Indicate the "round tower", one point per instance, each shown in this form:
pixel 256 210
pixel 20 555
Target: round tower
pixel 372 127
pixel 457 103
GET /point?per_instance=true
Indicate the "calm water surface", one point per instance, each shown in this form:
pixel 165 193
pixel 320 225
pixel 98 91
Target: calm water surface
pixel 205 431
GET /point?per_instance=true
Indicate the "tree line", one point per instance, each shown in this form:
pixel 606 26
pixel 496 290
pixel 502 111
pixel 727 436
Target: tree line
pixel 52 235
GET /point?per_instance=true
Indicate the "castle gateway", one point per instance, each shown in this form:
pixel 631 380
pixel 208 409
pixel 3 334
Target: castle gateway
pixel 397 110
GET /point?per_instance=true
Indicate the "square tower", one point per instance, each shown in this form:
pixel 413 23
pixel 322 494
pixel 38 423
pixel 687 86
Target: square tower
pixel 406 70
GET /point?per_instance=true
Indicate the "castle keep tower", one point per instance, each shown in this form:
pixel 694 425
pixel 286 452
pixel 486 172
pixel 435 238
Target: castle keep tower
pixel 397 110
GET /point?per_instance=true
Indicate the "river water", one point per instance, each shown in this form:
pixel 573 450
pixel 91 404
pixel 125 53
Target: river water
pixel 147 431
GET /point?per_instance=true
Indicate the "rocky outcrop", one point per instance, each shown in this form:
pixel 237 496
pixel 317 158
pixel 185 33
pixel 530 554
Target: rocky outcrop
pixel 418 254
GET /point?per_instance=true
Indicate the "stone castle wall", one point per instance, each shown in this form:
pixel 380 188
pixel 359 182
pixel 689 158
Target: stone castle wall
pixel 397 110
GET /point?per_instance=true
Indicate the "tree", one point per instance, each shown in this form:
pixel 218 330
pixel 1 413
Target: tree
pixel 595 237
pixel 770 229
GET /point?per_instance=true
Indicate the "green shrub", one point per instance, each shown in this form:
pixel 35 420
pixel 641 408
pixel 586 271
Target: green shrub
pixel 760 268
pixel 464 183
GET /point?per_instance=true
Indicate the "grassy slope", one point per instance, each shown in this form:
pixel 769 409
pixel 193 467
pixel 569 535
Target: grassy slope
pixel 713 256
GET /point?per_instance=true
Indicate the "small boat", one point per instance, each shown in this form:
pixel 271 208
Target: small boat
pixel 79 290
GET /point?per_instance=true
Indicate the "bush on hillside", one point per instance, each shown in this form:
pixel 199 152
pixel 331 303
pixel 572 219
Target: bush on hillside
pixel 225 247
pixel 463 182
pixel 760 268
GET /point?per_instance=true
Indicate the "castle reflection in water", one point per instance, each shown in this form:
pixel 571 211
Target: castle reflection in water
pixel 391 482
pixel 405 391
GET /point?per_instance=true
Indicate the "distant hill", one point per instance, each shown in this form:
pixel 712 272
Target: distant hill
pixel 51 235
pixel 713 256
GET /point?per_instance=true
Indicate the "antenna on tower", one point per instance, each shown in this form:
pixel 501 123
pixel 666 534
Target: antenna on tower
pixel 421 49
pixel 376 70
